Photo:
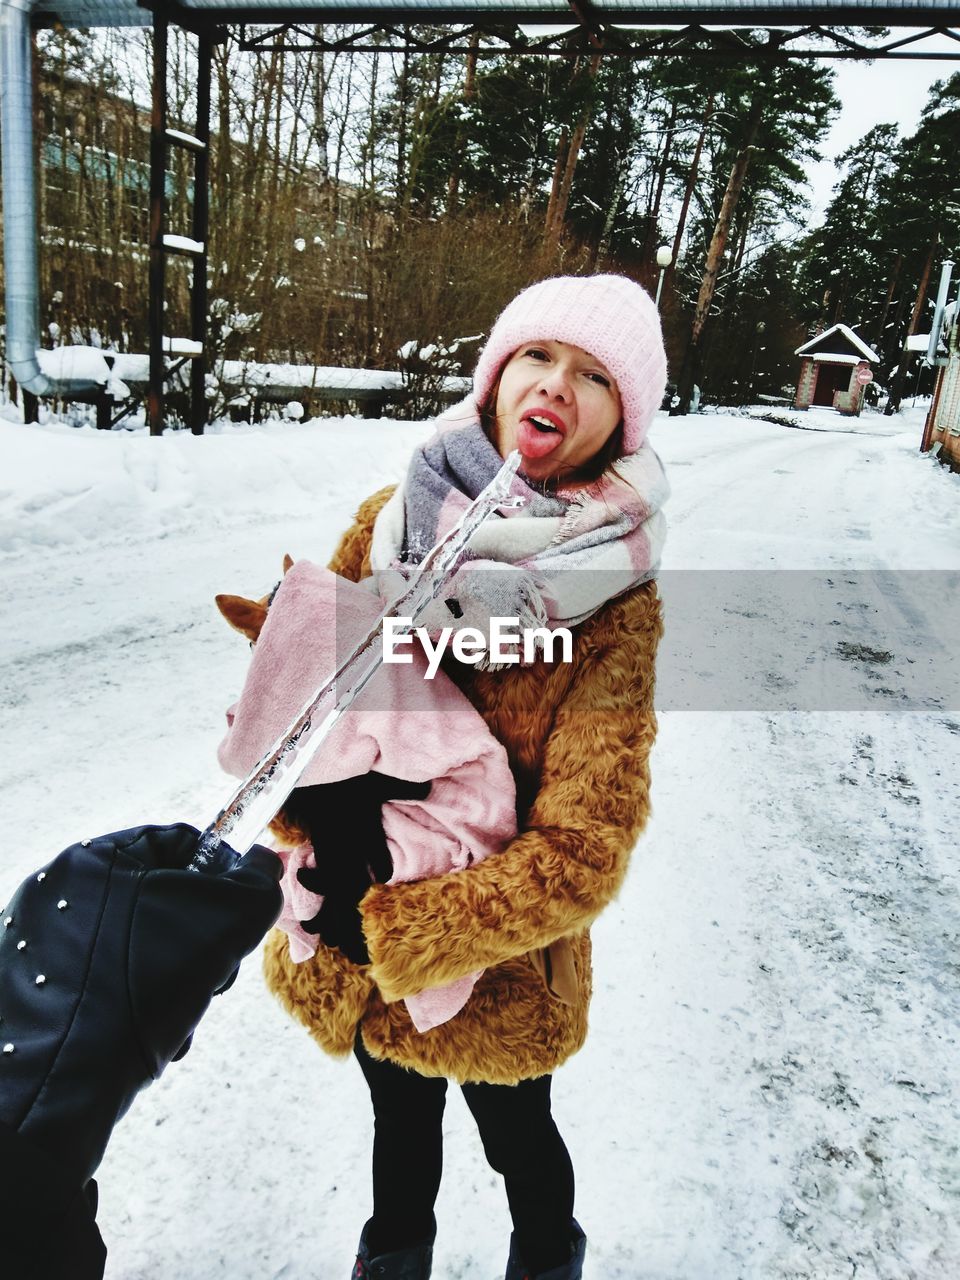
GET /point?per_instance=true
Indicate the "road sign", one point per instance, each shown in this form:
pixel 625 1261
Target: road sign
pixel 864 376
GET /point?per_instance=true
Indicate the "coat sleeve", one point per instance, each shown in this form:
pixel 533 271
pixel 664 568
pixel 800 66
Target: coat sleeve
pixel 352 556
pixel 570 860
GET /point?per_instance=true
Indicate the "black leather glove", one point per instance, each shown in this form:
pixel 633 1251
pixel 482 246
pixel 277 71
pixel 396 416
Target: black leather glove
pixel 345 824
pixel 338 924
pixel 109 958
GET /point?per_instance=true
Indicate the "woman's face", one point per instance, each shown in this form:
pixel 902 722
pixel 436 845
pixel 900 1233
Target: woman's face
pixel 558 405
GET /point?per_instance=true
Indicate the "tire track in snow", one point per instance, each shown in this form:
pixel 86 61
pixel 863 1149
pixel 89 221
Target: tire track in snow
pixel 782 498
pixel 858 999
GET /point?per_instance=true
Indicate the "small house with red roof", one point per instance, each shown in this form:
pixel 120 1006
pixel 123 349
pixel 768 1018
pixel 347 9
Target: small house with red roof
pixel 835 368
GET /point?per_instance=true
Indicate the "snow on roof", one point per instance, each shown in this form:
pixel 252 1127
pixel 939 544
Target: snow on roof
pixel 842 331
pixel 920 342
pixel 834 357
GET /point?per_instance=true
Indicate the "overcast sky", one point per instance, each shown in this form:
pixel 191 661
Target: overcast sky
pixel 873 93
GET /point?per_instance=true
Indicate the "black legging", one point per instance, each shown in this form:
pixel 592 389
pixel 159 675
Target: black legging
pixel 520 1141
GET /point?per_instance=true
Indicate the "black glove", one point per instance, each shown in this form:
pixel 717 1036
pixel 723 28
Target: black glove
pixel 345 823
pixel 109 959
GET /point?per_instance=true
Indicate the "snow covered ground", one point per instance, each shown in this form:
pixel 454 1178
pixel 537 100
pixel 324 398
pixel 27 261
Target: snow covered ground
pixel 770 1088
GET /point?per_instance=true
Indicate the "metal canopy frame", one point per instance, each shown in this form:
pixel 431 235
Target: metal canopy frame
pixel 751 30
pixel 591 35
pixel 513 29
pixel 619 28
pixel 162 138
pixel 508 13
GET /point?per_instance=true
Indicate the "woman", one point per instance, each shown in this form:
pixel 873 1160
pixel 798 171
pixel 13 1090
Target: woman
pixel 571 376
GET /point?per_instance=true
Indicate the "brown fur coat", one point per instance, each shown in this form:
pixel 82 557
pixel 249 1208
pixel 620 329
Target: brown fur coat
pixel 578 736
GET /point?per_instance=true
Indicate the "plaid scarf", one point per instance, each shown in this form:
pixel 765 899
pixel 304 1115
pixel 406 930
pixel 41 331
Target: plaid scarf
pixel 557 559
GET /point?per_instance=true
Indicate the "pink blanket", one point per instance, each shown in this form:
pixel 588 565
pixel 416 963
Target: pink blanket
pixel 401 724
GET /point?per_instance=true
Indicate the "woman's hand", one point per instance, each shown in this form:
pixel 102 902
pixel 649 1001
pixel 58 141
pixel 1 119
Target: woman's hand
pixel 344 823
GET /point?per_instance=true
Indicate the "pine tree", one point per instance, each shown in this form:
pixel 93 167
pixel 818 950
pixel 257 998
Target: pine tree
pixel 922 198
pixel 842 272
pixel 781 115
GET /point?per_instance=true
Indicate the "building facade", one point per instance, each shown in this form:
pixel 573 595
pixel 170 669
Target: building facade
pixel 942 430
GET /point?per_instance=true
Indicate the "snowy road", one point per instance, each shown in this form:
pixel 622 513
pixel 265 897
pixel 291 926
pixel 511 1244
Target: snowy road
pixel 770 1088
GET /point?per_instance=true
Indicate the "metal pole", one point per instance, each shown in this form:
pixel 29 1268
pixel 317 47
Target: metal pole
pixel 201 231
pixel 946 271
pixel 158 177
pixel 663 272
pixel 21 273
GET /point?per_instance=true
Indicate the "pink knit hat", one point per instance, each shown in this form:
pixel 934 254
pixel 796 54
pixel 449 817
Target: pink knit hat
pixel 609 316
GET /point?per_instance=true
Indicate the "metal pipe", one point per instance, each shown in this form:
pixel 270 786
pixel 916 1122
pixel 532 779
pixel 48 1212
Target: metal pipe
pixel 20 209
pixel 945 273
pixel 201 233
pixel 158 179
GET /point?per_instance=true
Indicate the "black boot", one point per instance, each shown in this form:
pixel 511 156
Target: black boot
pixel 572 1270
pixel 402 1264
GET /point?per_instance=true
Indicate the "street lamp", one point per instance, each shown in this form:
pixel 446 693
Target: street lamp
pixel 664 258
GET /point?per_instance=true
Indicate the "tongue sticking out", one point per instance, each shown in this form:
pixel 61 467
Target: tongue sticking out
pixel 533 443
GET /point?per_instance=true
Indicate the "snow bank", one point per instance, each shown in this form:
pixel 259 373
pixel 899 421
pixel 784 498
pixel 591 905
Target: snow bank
pixel 65 486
